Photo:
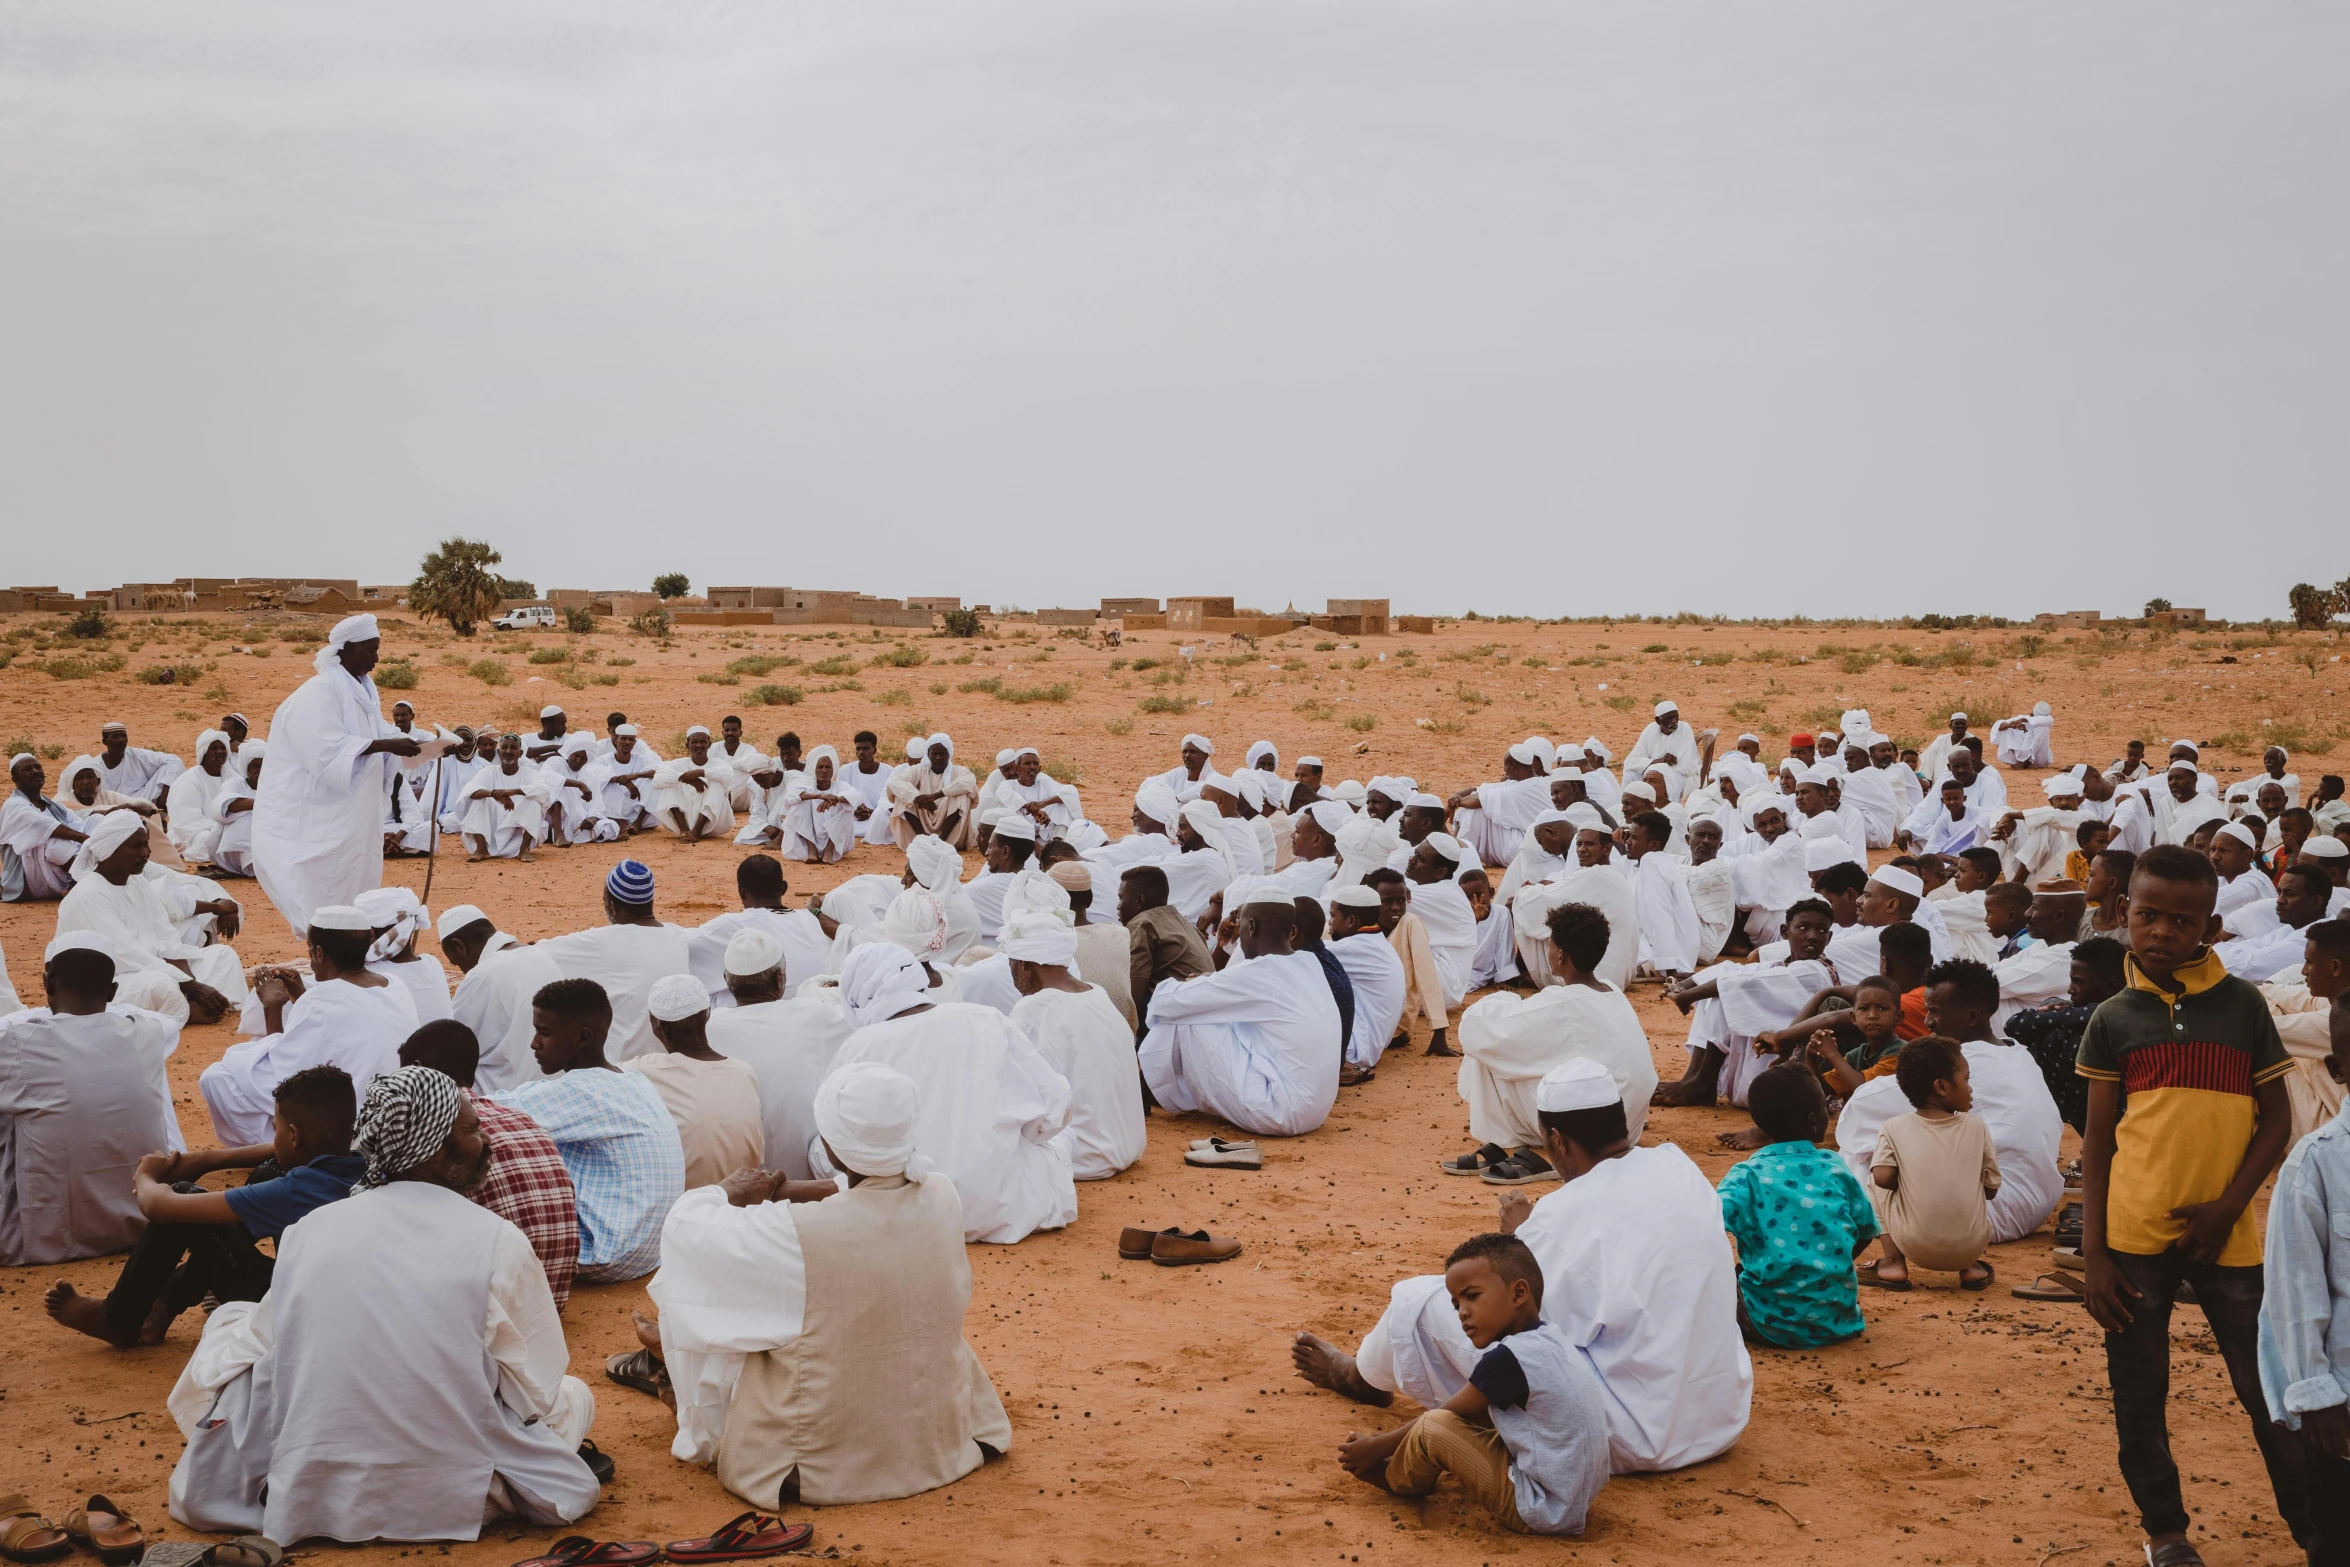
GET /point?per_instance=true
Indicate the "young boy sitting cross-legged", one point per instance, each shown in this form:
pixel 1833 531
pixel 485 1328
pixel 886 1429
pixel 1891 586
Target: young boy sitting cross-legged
pixel 1527 1437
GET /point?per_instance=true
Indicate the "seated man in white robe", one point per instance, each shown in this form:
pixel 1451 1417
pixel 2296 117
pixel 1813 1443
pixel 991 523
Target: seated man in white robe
pixel 1869 791
pixel 692 795
pixel 740 758
pixel 39 836
pixel 819 820
pixel 493 998
pixel 1638 1273
pixel 457 766
pixel 1202 866
pixel 2043 971
pixel 1080 1034
pixel 83 1098
pixel 1495 960
pixel 628 790
pixel 1492 819
pixel 505 807
pixel 1596 880
pixel 341 1015
pixel 2025 740
pixel 134 771
pixel 1666 742
pixel 232 811
pixel 1729 1003
pixel 993 1108
pixel 189 802
pixel 868 777
pixel 1667 916
pixel 1509 1043
pixel 789 1044
pixel 575 783
pixel 2033 844
pixel 1434 871
pixel 1257 1043
pixel 1376 973
pixel 936 797
pixel 759 886
pixel 1713 889
pixel 155 968
pixel 408 1332
pixel 1155 813
pixel 773 790
pixel 1313 842
pixel 1036 794
pixel 791 1311
pixel 83 788
pixel 1195 770
pixel 408 815
pixel 395 918
pixel 2303 895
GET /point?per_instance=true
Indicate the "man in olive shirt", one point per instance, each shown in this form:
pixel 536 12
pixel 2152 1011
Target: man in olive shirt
pixel 1162 942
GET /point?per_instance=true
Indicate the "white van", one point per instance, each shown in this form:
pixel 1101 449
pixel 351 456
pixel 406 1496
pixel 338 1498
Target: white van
pixel 526 617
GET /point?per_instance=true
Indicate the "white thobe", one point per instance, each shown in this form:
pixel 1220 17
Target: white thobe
pixel 1752 998
pixel 1380 984
pixel 1962 916
pixel 626 960
pixel 38 864
pixel 2242 892
pixel 456 773
pixel 2132 820
pixel 1257 1043
pixel 494 1001
pixel 769 804
pixel 407 814
pixel 1870 793
pixel 1084 1039
pixel 2026 741
pixel 985 893
pixel 318 822
pixel 1713 893
pixel 505 830
pixel 1136 848
pixel 2263 957
pixel 1673 754
pixel 359 1028
pixel 1509 1041
pixel 1496 826
pixel 707 803
pixel 82 1100
pixel 1194 877
pixel 993 1110
pixel 141 774
pixel 2038 844
pixel 1308 878
pixel 1186 787
pixel 193 831
pixel 1452 933
pixel 1667 916
pixel 1602 887
pixel 584 820
pixel 806 949
pixel 1638 1272
pixel 426 981
pixel 2305 1024
pixel 791 1045
pixel 813 830
pixel 1248 855
pixel 2012 1097
pixel 2039 974
pixel 638 772
pixel 135 920
pixel 232 851
pixel 872 791
pixel 744 760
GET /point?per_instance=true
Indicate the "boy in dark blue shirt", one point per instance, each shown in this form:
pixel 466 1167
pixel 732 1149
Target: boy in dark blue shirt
pixel 201 1243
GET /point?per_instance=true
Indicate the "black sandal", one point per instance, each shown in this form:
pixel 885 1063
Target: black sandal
pixel 639 1369
pixel 1523 1168
pixel 598 1461
pixel 1474 1163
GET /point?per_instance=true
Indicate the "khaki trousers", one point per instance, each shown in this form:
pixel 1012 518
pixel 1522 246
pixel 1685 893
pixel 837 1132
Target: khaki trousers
pixel 1440 1442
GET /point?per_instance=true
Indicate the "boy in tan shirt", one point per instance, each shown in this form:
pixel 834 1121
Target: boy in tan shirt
pixel 1934 1172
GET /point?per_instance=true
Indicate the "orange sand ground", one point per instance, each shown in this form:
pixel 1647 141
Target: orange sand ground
pixel 1958 1428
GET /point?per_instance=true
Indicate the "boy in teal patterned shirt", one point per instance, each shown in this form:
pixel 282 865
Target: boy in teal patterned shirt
pixel 1799 1219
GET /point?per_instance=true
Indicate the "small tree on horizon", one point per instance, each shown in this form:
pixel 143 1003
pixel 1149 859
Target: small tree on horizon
pixel 672 585
pixel 2155 607
pixel 2314 607
pixel 455 582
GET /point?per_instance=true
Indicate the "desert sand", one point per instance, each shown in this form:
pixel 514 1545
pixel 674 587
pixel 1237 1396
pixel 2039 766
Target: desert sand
pixel 1155 1411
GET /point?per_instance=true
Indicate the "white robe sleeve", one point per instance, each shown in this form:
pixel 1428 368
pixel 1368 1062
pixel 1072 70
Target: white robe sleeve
pixel 733 1282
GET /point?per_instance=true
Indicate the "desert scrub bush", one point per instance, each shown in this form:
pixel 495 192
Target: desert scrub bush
pixel 545 655
pixel 1163 704
pixel 490 672
pixel 777 696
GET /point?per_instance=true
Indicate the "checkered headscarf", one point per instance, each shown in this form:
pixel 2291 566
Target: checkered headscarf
pixel 406 1118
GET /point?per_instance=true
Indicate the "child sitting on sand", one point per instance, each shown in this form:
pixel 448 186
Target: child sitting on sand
pixel 1875 1018
pixel 1799 1219
pixel 1934 1173
pixel 1527 1437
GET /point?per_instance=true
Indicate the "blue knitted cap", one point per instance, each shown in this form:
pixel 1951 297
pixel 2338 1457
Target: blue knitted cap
pixel 631 881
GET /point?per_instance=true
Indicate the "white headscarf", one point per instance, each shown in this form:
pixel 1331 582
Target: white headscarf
pixel 914 921
pixel 866 1114
pixel 945 739
pixel 1208 822
pixel 935 864
pixel 1039 936
pixel 879 980
pixel 1034 891
pixel 109 833
pixel 1330 816
pixel 822 753
pixel 1262 749
pixel 1156 801
pixel 354 628
pixel 76 767
pixel 396 907
pixel 204 743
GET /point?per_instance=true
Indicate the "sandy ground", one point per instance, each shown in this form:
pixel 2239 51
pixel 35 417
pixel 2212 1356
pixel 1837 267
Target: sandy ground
pixel 1155 1410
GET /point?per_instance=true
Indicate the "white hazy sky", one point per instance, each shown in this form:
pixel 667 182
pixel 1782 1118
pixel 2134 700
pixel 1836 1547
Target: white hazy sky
pixel 1526 307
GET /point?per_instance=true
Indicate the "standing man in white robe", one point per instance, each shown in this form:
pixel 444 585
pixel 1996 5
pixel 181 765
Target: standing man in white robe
pixel 493 997
pixel 189 802
pixel 993 1108
pixel 1257 1043
pixel 342 1015
pixel 155 968
pixel 318 817
pixel 408 1332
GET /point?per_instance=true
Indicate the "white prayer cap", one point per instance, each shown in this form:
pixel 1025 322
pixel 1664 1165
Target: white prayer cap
pixel 2041 709
pixel 1016 824
pixel 2323 847
pixel 109 833
pixel 1570 752
pixel 1039 936
pixel 1201 741
pixel 1586 817
pixel 1260 890
pixel 1329 815
pixel 1546 818
pixel 550 711
pixel 456 919
pixel 866 1114
pixel 1309 761
pixel 1819 773
pixel 21 756
pixel 625 729
pixel 1757 739
pixel 1357 896
pixel 1667 706
pixel 1820 853
pixel 2060 785
pixel 1958 718
pixel 675 997
pixel 1006 757
pixel 1447 847
pixel 1424 802
pixel 339 916
pixel 934 862
pixel 698 729
pixel 1523 754
pixel 1637 790
pixel 914 748
pixel 2183 765
pixel 1156 801
pixel 2241 833
pixel 1579 1084
pixel 1072 877
pixel 1262 749
pixel 752 951
pixel 1904 881
pixel 1351 792
pixel 79 941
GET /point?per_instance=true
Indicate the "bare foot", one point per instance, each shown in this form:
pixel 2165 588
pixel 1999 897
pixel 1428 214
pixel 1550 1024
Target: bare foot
pixel 648 1332
pixel 1351 1075
pixel 1324 1364
pixel 526 858
pixel 1972 1273
pixel 1750 1138
pixel 87 1314
pixel 475 859
pixel 1688 1091
pixel 157 1327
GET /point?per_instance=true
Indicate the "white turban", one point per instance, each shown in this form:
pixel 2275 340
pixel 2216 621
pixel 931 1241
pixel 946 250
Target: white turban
pixel 1569 753
pixel 1039 936
pixel 1006 757
pixel 752 951
pixel 1156 801
pixel 1524 754
pixel 1593 746
pixel 1208 822
pixel 2061 785
pixel 1396 789
pixel 942 738
pixel 915 920
pixel 204 742
pixel 2041 709
pixel 456 919
pixel 1202 741
pixel 1579 1084
pixel 1351 793
pixel 676 997
pixel 1330 816
pixel 878 981
pixel 353 628
pixel 107 834
pixel 75 768
pixel 396 908
pixel 866 1113
pixel 1251 785
pixel 1753 804
pixel 1262 749
pixel 914 748
pixel 1364 838
pixel 1636 790
pixel 935 863
pixel 576 745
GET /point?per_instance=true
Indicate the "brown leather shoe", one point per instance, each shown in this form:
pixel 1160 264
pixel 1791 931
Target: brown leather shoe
pixel 1174 1249
pixel 1134 1242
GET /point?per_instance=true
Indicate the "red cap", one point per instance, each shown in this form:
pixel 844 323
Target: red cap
pixel 1800 737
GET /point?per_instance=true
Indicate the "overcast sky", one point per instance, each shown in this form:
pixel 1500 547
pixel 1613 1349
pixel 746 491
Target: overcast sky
pixel 1524 307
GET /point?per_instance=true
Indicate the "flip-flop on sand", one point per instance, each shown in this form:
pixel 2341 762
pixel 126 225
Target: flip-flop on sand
pixel 2051 1286
pixel 1869 1279
pixel 750 1535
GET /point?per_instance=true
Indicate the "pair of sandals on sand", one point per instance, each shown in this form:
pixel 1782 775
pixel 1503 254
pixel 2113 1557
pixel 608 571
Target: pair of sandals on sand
pixel 1498 1166
pixel 745 1538
pixel 97 1525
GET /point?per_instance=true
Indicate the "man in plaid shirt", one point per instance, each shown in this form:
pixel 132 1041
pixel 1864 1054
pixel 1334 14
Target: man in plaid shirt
pixel 525 1182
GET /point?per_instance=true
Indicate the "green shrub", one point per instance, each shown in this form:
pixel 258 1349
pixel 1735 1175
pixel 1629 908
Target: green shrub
pixel 398 675
pixel 91 624
pixel 619 663
pixel 1023 696
pixel 1362 723
pixel 1325 647
pixel 1118 726
pixel 960 622
pixel 1621 702
pixel 838 664
pixel 603 680
pixel 991 684
pixel 579 620
pixel 761 663
pixel 653 623
pixel 174 675
pixel 1142 664
pixel 1163 704
pixel 550 655
pixel 895 699
pixel 901 657
pixel 718 677
pixel 490 672
pixel 78 667
pixel 777 696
